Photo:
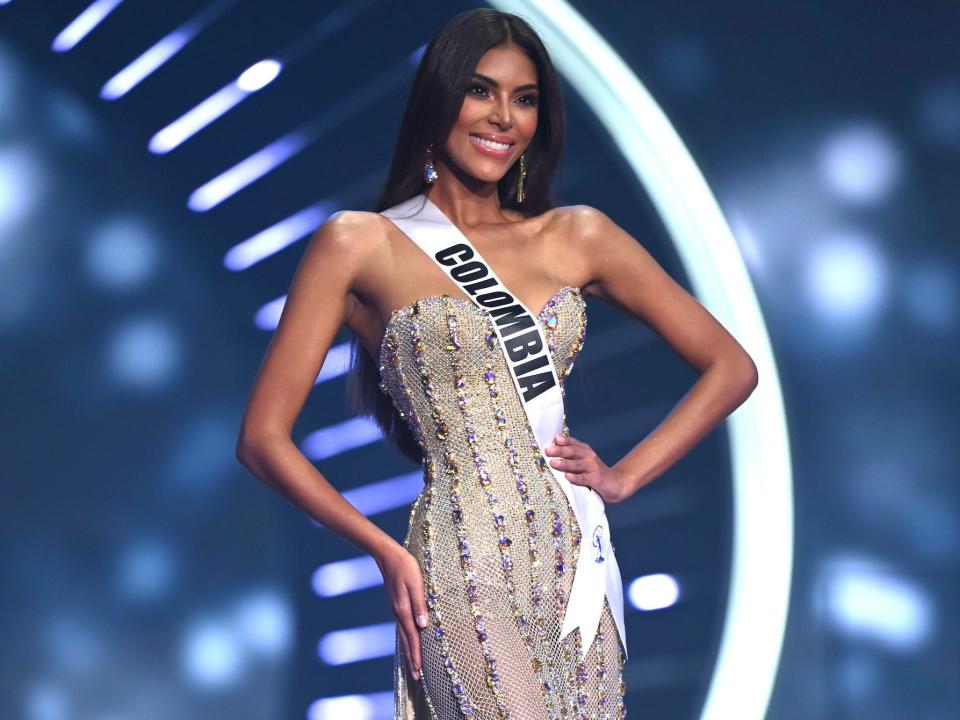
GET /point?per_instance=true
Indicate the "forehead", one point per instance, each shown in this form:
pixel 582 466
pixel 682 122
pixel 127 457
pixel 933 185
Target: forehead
pixel 509 64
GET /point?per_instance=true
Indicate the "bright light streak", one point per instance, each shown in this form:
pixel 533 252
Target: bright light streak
pixel 336 363
pixel 335 439
pixel 338 358
pixel 417 55
pixel 383 495
pixel 144 65
pixel 214 107
pixel 346 576
pixel 267 317
pixel 162 50
pixel 189 124
pixel 372 706
pixel 252 168
pixel 83 24
pixel 275 238
pixel 350 645
pixel 247 171
pixel 259 75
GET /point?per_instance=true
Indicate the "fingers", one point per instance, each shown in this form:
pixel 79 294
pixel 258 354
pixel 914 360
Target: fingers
pixel 578 478
pixel 568 447
pixel 559 445
pixel 571 465
pixel 419 604
pixel 568 441
pixel 560 451
pixel 575 459
pixel 421 619
pixel 405 644
pixel 402 613
pixel 411 638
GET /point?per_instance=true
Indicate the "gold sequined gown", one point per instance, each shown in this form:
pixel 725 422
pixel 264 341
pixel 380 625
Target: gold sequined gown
pixel 493 532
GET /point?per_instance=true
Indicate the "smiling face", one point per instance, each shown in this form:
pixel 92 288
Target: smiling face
pixel 498 118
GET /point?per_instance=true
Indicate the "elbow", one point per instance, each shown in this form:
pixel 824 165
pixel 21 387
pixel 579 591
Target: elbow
pixel 247 449
pixel 749 378
pixel 243 451
pixel 740 375
pixel 254 445
pixel 752 375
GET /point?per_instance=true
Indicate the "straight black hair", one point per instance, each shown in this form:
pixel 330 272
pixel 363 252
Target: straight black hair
pixel 433 106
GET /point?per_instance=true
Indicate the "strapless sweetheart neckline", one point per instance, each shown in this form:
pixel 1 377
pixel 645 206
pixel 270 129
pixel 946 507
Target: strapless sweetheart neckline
pixel 456 299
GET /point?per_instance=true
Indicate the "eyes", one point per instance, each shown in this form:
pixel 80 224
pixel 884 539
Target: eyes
pixel 530 99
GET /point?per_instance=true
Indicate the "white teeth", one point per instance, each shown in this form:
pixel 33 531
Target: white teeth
pixel 490 143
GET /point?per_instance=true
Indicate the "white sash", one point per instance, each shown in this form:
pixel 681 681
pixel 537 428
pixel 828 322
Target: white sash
pixel 535 379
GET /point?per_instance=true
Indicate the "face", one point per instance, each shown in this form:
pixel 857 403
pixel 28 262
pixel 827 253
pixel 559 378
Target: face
pixel 498 118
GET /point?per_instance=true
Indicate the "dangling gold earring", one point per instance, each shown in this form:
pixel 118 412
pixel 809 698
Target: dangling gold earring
pixel 520 178
pixel 429 171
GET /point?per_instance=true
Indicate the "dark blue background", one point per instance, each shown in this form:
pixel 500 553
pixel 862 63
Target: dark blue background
pixel 147 575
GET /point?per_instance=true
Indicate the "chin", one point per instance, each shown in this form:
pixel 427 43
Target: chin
pixel 489 177
pixel 484 172
pixel 490 174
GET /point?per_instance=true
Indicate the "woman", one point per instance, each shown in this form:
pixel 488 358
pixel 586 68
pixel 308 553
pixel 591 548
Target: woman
pixel 483 586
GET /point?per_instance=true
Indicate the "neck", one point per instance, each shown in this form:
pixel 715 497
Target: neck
pixel 466 200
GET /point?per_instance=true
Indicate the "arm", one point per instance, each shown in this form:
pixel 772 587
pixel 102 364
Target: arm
pixel 317 305
pixel 319 302
pixel 623 274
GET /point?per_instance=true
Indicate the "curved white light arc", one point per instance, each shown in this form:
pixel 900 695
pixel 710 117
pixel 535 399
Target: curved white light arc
pixel 762 559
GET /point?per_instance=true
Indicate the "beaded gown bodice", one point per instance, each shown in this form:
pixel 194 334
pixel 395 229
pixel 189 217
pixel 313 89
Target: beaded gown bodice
pixel 493 532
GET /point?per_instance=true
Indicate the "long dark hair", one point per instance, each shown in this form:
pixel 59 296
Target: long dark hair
pixel 433 106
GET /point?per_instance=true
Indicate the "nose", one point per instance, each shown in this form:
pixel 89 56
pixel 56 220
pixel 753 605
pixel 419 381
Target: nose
pixel 501 113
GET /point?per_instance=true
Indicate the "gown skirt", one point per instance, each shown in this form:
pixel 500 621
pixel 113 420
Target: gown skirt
pixel 492 531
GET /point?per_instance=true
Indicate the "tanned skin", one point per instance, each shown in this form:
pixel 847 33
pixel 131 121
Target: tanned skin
pixel 358 268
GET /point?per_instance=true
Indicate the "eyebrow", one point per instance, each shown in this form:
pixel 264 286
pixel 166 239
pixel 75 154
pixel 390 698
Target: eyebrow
pixel 494 83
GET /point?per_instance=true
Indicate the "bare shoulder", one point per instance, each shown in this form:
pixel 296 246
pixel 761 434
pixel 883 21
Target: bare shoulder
pixel 341 251
pixel 596 232
pixel 349 239
pixel 585 223
pixel 352 231
pixel 579 232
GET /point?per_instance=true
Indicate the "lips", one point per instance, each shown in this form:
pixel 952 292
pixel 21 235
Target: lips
pixel 505 139
pixel 491 145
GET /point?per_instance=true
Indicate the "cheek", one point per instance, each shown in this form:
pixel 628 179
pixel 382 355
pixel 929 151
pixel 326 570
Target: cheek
pixel 528 124
pixel 470 114
pixel 459 131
